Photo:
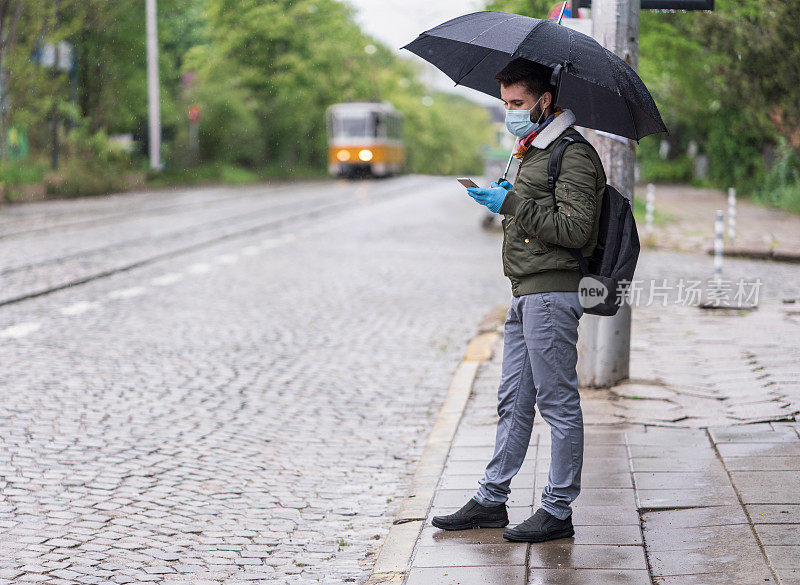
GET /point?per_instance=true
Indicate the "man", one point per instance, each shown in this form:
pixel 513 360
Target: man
pixel 539 353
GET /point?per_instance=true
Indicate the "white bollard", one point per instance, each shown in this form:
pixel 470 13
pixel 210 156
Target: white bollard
pixel 731 216
pixel 650 207
pixel 719 246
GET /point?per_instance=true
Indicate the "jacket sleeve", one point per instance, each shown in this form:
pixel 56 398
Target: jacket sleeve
pixel 569 225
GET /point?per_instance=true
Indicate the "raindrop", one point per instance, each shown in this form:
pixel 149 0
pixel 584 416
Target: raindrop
pixel 370 49
pixel 427 101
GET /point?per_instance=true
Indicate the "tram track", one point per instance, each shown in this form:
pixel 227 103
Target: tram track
pixel 386 191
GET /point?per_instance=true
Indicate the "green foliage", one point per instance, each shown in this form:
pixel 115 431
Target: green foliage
pixel 229 128
pixel 534 8
pixel 444 137
pixel 781 185
pixel 78 177
pixel 22 173
pixel 677 170
pixel 262 72
pixel 728 80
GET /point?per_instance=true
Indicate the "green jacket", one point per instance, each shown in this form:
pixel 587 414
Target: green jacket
pixel 535 236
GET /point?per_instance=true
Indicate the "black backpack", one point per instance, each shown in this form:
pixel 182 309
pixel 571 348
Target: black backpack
pixel 613 261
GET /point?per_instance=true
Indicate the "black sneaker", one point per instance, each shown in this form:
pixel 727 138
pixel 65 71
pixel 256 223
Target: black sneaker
pixel 473 515
pixel 540 527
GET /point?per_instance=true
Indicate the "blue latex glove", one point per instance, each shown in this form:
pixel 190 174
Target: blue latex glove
pixel 492 197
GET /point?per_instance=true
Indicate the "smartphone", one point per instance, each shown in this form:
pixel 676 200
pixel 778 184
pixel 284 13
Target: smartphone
pixel 467 182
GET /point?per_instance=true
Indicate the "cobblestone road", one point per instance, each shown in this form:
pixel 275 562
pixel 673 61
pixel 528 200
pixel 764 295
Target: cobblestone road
pixel 245 410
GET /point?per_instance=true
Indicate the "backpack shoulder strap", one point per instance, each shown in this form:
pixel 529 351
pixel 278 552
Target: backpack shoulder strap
pixel 554 162
pixel 553 171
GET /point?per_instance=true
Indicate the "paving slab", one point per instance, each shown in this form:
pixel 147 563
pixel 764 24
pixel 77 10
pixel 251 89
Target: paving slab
pixel 789 448
pixel 723 559
pixel 695 538
pixel 466 575
pixel 672 498
pixel 586 556
pixel 744 578
pixel 778 534
pixel 588 577
pixel 762 463
pixel 786 556
pixel 695 517
pixel 774 513
pixel 677 480
pixel 774 487
pixel 473 555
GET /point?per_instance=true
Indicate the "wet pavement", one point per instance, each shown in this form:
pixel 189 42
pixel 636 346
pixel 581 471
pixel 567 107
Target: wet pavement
pixel 664 505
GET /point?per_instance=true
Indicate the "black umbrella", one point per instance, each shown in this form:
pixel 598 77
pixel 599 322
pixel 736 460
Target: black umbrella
pixel 601 89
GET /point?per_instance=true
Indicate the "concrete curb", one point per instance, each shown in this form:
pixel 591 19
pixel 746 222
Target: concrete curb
pixel 394 556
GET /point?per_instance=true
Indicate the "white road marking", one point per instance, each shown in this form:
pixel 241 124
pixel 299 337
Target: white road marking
pixel 272 242
pixel 251 250
pixel 126 293
pixel 20 329
pixel 200 268
pixel 77 308
pixel 166 279
pixel 226 259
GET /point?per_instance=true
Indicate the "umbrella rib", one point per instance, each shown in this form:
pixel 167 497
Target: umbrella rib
pixel 489 52
pixel 495 25
pixel 633 120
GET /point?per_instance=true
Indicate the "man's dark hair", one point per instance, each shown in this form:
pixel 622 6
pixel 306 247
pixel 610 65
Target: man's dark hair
pixel 535 77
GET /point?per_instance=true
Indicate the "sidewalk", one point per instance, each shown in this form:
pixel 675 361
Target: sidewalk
pixel 692 466
pixel 674 506
pixel 690 226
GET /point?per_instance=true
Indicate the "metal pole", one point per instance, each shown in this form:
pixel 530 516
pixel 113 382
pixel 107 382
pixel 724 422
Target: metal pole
pixel 731 216
pixel 153 88
pixel 719 247
pixel 604 344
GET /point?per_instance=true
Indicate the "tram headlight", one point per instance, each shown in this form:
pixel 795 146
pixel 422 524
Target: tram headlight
pixel 343 155
pixel 365 155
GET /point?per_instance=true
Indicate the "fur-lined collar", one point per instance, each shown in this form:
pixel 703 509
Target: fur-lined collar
pixel 554 129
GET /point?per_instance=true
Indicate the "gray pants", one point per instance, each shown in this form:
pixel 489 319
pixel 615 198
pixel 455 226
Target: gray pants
pixel 539 359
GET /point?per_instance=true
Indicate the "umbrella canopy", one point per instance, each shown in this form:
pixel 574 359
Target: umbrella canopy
pixel 601 89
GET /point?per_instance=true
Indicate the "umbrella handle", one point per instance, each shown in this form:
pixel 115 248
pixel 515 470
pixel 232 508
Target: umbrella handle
pixel 508 166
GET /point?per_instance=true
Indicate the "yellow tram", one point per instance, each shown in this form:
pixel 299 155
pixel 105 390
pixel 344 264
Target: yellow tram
pixel 365 138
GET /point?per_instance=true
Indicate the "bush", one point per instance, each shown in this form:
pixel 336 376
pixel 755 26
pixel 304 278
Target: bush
pixel 22 172
pixel 780 186
pixel 229 130
pixel 79 177
pixel 676 170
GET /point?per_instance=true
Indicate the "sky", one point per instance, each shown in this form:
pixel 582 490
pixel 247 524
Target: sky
pixel 398 22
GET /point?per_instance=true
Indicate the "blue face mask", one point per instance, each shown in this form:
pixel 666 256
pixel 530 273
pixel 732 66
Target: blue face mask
pixel 518 122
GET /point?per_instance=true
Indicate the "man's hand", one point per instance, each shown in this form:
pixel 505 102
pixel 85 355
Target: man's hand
pixel 492 197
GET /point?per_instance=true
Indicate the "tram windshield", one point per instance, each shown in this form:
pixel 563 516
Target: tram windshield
pixel 350 127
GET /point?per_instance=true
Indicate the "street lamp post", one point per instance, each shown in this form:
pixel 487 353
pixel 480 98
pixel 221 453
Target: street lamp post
pixel 153 88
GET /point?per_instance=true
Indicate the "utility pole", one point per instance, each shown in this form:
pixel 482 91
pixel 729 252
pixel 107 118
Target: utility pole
pixel 153 87
pixel 604 344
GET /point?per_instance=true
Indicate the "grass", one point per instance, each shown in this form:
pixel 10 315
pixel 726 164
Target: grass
pixel 228 174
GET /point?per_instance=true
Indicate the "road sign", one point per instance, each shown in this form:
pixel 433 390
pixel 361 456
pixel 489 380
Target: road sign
pixel 194 113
